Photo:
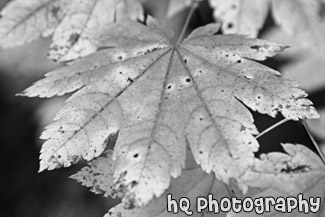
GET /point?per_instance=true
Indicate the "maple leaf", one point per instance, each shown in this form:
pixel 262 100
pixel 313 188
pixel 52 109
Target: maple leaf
pixel 159 96
pixel 73 23
pixel 304 166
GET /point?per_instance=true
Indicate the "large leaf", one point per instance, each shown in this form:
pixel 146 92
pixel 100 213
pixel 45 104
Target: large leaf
pixel 74 23
pixel 160 96
pixel 240 16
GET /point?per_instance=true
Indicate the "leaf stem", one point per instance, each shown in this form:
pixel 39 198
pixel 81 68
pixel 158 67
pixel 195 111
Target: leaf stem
pixel 271 128
pixel 321 154
pixel 187 21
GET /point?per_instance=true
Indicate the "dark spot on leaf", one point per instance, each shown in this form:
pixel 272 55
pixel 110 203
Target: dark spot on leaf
pixel 59 156
pixel 130 80
pixel 230 25
pixel 238 61
pixel 321 11
pixel 298 169
pixel 134 183
pixel 255 47
pixel 136 155
pixel 74 37
pixel 121 73
pixel 201 119
pixel 185 60
pixel 55 10
pixel 233 7
pixel 200 152
pixel 188 80
pixel 169 86
pixel 119 58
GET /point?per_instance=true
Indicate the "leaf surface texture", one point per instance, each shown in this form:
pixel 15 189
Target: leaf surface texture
pixel 159 97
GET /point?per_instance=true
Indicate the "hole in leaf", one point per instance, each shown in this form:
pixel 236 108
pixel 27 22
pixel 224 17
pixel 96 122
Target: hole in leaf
pixel 255 47
pixel 133 183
